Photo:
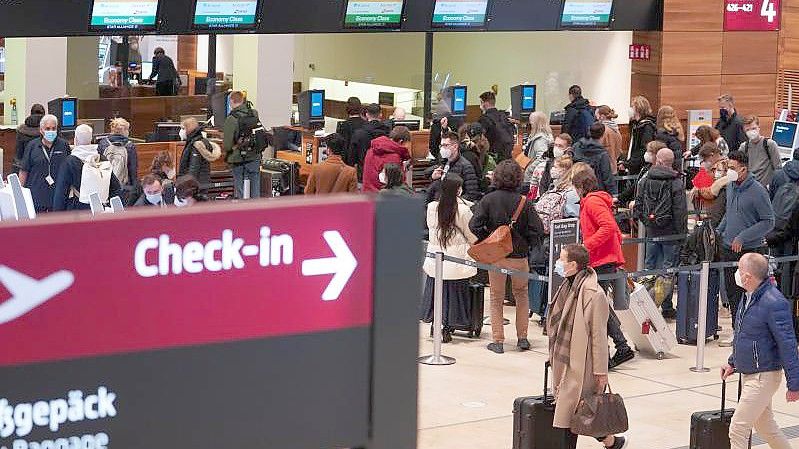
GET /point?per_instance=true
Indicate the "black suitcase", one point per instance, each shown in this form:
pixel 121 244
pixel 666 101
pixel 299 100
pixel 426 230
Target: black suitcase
pixel 688 307
pixel 477 309
pixel 711 429
pixel 532 422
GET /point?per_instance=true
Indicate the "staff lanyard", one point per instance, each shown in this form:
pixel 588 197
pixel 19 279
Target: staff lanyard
pixel 49 163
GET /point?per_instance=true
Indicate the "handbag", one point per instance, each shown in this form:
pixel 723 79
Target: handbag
pixel 499 244
pixel 600 415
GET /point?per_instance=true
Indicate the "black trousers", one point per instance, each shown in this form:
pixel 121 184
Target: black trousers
pixel 165 88
pixel 734 292
pixel 614 325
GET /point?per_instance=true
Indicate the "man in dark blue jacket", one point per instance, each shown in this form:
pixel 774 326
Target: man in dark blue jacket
pixel 594 154
pixel 764 345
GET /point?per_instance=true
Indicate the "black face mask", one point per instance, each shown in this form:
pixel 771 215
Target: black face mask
pixel 725 114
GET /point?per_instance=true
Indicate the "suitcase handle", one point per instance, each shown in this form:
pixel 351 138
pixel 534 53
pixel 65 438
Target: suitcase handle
pixel 547 365
pixel 723 397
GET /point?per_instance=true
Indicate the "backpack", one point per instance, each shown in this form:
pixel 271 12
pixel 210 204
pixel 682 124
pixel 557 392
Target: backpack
pixel 251 135
pixel 95 177
pixel 786 198
pixel 654 208
pixel 504 132
pixel 550 207
pixel 702 245
pixel 117 155
pixel 765 148
pixel 582 124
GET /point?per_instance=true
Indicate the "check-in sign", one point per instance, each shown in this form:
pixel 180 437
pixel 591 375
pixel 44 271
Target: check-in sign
pixel 752 15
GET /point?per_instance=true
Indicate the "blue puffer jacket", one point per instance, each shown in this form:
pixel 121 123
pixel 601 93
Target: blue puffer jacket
pixel 764 336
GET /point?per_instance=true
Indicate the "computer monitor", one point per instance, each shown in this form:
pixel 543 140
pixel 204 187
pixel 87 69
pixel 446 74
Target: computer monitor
pixel 586 14
pixel 413 125
pixel 371 14
pixel 226 14
pixel 167 132
pixel 385 98
pixel 311 105
pixel 523 101
pixel 66 110
pixel 457 100
pixel 146 70
pixel 460 14
pixel 124 15
pixel 786 136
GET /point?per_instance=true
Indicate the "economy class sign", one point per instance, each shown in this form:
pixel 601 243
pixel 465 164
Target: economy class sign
pixel 752 15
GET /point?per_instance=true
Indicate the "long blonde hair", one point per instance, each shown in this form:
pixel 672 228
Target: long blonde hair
pixel 539 123
pixel 667 119
pixel 565 182
pixel 641 106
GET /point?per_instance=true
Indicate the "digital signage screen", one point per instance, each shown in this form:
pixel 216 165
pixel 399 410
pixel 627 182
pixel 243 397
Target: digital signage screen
pixel 225 14
pixel 68 108
pixel 385 14
pixel 784 134
pixel 528 99
pixel 586 13
pixel 458 100
pixel 460 13
pixel 121 15
pixel 317 104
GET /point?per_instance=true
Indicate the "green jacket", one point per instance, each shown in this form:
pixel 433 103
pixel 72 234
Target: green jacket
pixel 231 129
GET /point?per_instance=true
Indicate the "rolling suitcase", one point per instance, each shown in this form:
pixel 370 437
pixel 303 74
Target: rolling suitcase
pixel 476 309
pixel 532 422
pixel 645 326
pixel 710 430
pixel 688 307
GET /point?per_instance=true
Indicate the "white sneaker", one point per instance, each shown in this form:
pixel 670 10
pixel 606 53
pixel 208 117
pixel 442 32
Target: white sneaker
pixel 725 343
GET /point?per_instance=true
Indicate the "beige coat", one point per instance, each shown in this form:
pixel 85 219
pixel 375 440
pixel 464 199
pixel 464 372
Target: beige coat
pixel 589 352
pixel 458 246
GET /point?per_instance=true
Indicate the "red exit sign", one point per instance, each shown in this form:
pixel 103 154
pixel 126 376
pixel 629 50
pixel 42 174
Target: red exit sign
pixel 752 15
pixel 640 52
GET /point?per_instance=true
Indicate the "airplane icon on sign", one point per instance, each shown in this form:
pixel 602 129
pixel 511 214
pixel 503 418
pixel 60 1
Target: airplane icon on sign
pixel 28 293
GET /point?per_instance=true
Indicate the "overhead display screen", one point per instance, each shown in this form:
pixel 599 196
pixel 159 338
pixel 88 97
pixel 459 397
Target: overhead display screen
pixel 225 14
pixel 586 13
pixel 460 13
pixel 138 15
pixel 374 14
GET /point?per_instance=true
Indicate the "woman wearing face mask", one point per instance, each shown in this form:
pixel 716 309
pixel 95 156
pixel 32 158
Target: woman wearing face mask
pixel 642 130
pixel 540 137
pixel 612 139
pixel 630 192
pixel 670 132
pixel 392 180
pixel 448 224
pixel 120 136
pixel 198 153
pixel 709 193
pixel 187 192
pixel 577 331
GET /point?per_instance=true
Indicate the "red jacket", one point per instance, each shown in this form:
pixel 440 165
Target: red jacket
pixel 703 179
pixel 383 151
pixel 601 234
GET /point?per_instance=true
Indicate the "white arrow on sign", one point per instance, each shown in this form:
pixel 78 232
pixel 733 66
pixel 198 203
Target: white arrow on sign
pixel 342 266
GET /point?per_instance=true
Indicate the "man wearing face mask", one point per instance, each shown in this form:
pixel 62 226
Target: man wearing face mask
pixel 748 219
pixel 764 346
pixel 198 153
pixel 730 125
pixel 453 162
pixel 764 156
pixel 154 193
pixel 42 162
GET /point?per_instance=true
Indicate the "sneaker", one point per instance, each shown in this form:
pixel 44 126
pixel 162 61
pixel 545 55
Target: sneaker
pixel 725 343
pixel 621 356
pixel 496 347
pixel 524 344
pixel 619 443
pixel 670 314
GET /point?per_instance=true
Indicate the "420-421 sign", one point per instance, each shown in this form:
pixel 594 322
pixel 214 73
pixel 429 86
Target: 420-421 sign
pixel 752 15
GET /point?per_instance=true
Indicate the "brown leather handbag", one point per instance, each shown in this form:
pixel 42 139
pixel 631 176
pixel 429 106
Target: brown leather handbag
pixel 499 244
pixel 600 415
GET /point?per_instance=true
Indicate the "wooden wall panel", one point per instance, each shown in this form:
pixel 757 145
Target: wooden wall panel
pixel 690 92
pixel 694 53
pixel 749 52
pixel 654 40
pixel 648 86
pixel 187 52
pixel 766 125
pixel 754 94
pixel 693 15
pixel 790 19
pixel 789 53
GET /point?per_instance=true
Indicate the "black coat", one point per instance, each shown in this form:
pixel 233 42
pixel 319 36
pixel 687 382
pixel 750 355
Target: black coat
pixel 25 133
pixel 348 127
pixel 471 182
pixel 642 132
pixel 594 154
pixel 361 141
pixel 732 130
pixel 672 141
pixel 193 163
pixel 499 132
pixel 679 205
pixel 164 68
pixel 573 112
pixel 496 209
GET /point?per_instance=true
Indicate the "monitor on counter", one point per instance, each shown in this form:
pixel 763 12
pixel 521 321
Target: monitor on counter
pixel 226 15
pixel 66 110
pixel 366 14
pixel 460 13
pixel 124 15
pixel 311 106
pixel 586 14
pixel 523 100
pixel 786 136
pixel 457 100
pixel 413 125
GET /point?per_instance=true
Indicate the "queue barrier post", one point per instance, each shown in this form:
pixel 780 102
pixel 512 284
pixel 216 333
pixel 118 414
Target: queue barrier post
pixel 701 332
pixel 246 190
pixel 438 317
pixel 641 246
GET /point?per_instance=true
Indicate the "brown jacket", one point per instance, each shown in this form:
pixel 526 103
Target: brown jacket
pixel 332 176
pixel 588 350
pixel 613 142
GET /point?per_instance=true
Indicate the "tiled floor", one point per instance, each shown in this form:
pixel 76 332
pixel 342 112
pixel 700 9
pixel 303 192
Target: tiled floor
pixel 469 405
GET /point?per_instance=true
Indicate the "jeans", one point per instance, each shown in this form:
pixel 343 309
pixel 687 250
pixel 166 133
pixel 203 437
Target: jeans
pixel 754 410
pixel 734 292
pixel 614 325
pixel 251 171
pixel 497 289
pixel 662 255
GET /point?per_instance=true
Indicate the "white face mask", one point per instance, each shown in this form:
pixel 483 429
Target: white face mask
pixel 182 134
pixel 632 112
pixel 558 152
pixel 154 198
pixel 732 175
pixel 383 178
pixel 181 203
pixel 753 134
pixel 738 281
pixel 446 153
pixel 649 158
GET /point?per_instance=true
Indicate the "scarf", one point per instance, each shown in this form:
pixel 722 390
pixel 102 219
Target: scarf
pixel 561 317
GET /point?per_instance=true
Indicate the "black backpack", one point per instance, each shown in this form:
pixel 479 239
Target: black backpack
pixel 251 138
pixel 582 124
pixel 654 209
pixel 503 130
